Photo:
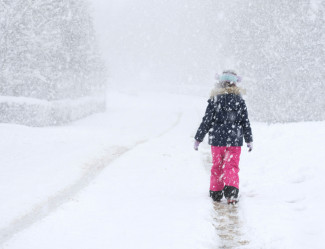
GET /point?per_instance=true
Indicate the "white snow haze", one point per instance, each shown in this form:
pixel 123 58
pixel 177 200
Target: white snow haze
pixel 100 101
pixel 157 44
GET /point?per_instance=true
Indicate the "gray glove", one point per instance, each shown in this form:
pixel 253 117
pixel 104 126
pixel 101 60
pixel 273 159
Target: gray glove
pixel 250 146
pixel 196 145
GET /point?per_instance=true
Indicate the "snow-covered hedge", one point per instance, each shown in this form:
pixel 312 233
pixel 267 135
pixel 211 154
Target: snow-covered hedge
pixel 48 54
pixel 35 112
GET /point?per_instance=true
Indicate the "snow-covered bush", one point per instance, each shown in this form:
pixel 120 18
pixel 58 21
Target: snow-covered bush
pixel 48 58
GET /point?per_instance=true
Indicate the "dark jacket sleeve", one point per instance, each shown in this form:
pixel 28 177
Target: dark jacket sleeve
pixel 248 136
pixel 206 123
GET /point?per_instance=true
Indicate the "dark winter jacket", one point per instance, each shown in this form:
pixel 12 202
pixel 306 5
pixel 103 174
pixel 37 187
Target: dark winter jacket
pixel 225 119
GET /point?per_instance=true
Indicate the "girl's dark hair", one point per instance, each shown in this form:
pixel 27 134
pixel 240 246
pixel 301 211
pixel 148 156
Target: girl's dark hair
pixel 226 84
pixel 229 84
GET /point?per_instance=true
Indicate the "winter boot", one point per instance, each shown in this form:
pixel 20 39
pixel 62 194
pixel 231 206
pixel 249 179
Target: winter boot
pixel 216 195
pixel 231 194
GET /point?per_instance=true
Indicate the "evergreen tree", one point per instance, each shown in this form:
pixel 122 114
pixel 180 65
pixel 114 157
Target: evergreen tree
pixel 48 49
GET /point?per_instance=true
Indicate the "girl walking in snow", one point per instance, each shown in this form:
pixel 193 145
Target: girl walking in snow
pixel 227 122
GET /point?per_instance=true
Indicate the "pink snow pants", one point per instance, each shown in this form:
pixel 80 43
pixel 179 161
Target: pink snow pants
pixel 224 171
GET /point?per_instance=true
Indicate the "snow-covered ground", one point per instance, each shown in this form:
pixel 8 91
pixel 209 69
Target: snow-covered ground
pixel 129 178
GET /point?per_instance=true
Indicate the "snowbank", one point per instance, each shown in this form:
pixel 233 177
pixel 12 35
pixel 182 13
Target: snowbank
pixel 38 112
pixel 282 185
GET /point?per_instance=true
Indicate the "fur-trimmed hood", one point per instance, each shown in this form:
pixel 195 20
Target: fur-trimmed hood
pixel 228 90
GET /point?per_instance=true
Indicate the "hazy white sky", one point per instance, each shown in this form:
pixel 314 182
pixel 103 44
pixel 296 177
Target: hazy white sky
pixel 155 42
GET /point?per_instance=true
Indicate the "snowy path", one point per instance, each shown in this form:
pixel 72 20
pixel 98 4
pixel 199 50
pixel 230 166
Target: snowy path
pixel 228 221
pixel 154 194
pixel 229 227
pixel 93 169
pixel 42 210
pixel 46 165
